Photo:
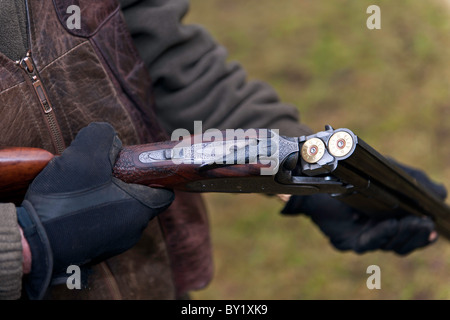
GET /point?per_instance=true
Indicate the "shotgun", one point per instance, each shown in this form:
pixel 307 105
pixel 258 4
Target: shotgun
pixel 336 162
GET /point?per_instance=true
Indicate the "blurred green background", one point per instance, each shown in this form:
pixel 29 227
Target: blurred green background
pixel 390 86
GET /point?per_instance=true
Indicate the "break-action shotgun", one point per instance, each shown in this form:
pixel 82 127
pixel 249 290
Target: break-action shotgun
pixel 336 162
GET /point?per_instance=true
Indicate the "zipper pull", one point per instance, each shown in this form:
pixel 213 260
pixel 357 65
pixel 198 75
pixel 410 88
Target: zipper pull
pixel 28 65
pixel 42 95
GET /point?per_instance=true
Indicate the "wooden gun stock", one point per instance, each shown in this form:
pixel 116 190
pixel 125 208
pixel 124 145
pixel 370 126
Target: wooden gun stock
pixel 18 168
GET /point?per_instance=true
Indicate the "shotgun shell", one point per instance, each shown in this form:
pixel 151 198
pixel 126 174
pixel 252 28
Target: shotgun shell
pixel 340 144
pixel 313 150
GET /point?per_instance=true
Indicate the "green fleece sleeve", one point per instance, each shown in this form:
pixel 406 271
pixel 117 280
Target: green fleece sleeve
pixel 10 254
pixel 13 33
pixel 192 79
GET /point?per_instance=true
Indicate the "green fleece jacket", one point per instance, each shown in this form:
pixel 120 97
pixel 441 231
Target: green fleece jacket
pixel 192 81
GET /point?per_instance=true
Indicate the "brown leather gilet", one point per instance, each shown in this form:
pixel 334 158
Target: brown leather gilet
pixel 77 76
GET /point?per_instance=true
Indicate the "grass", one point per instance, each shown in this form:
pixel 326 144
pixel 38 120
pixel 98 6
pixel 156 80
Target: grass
pixel 390 86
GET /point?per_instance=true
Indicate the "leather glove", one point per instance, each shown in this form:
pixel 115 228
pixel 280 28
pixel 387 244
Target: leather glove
pixel 76 213
pixel 348 229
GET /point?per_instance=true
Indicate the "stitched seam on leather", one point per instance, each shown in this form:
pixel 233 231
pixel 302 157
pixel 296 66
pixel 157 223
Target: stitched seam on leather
pixel 110 74
pixel 60 19
pixel 105 21
pixel 168 253
pixel 63 55
pixel 10 88
pixel 111 281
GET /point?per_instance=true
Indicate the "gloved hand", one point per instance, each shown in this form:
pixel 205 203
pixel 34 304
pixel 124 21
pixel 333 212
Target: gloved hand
pixel 348 229
pixel 76 213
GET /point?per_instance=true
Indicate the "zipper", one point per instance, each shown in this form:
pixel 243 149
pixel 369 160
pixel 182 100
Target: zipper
pixel 27 64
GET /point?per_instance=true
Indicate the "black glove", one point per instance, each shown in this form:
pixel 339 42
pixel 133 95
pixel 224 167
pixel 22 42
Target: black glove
pixel 76 213
pixel 348 229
